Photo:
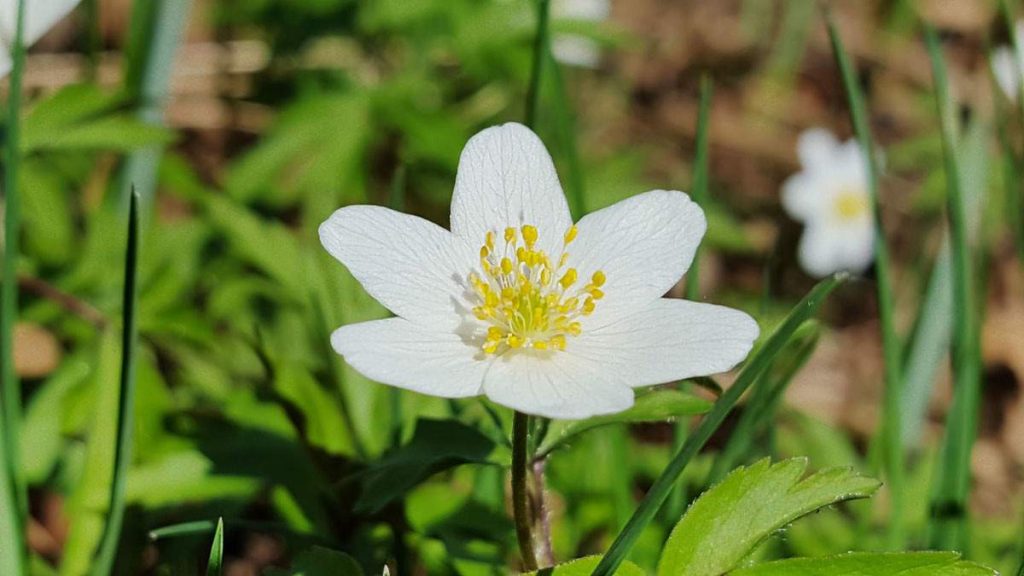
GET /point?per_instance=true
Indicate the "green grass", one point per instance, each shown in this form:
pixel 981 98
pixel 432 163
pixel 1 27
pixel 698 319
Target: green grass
pixel 891 430
pixel 126 399
pixel 757 365
pixel 215 565
pixel 953 478
pixel 12 484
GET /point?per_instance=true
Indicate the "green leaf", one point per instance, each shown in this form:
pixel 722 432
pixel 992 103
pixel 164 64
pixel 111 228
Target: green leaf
pixel 584 566
pixel 319 561
pixel 436 445
pixel 323 424
pixel 866 564
pixel 84 117
pixel 732 518
pixel 215 566
pixel 655 406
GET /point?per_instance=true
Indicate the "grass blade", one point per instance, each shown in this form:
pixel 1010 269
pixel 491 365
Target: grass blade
pixel 215 566
pixel 760 361
pixel 540 47
pixel 699 193
pixel 565 130
pixel 892 427
pixel 156 31
pixel 1014 202
pixel 126 400
pixel 763 401
pixel 949 498
pixel 14 497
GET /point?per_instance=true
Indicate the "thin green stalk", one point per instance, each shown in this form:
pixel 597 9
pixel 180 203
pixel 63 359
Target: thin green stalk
pixel 15 499
pixel 953 480
pixel 565 130
pixel 699 193
pixel 156 31
pixel 892 427
pixel 126 400
pixel 215 565
pixel 520 498
pixel 1015 203
pixel 762 404
pixel 540 43
pixel 759 362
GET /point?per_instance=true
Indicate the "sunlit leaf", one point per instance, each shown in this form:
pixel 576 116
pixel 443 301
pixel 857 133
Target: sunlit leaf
pixel 865 564
pixel 729 520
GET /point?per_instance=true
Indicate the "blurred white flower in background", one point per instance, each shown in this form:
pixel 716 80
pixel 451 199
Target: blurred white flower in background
pixel 518 303
pixel 40 16
pixel 830 196
pixel 1007 68
pixel 573 49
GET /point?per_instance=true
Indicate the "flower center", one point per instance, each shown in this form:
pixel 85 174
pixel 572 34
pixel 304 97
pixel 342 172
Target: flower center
pixel 850 204
pixel 526 300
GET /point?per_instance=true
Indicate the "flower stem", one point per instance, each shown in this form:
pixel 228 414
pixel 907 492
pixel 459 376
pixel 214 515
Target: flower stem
pixel 520 506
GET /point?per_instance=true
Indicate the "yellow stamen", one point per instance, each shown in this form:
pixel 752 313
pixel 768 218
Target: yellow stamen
pixel 519 299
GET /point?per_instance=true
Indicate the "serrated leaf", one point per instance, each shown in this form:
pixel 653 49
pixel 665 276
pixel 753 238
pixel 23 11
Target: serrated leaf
pixel 655 406
pixel 584 566
pixel 436 445
pixel 869 564
pixel 732 518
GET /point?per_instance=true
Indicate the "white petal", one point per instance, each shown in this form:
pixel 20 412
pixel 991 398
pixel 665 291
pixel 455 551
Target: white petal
pixel 554 385
pixel 403 354
pixel 669 340
pixel 1006 71
pixel 803 197
pixel 506 178
pixel 850 168
pixel 643 244
pixel 858 243
pixel 819 251
pixel 815 147
pixel 410 265
pixel 40 16
pixel 576 51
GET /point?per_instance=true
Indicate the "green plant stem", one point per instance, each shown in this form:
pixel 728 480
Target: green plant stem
pixel 949 499
pixel 565 129
pixel 1015 202
pixel 892 435
pixel 699 193
pixel 15 499
pixel 520 504
pixel 759 362
pixel 540 42
pixel 126 400
pixel 215 565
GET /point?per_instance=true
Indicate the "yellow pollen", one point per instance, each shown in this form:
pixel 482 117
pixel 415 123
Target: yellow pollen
pixel 518 298
pixel 850 204
pixel 570 234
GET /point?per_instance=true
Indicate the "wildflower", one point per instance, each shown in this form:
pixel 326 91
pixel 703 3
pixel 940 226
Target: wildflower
pixel 520 304
pixel 830 196
pixel 1006 67
pixel 40 16
pixel 574 49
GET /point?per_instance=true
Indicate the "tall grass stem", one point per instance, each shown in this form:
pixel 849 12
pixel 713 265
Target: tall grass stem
pixel 892 428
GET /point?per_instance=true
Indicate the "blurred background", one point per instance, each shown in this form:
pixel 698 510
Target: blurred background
pixel 244 124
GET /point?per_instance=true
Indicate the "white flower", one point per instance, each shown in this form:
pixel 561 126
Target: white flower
pixel 40 16
pixel 830 196
pixel 519 304
pixel 572 49
pixel 1007 68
